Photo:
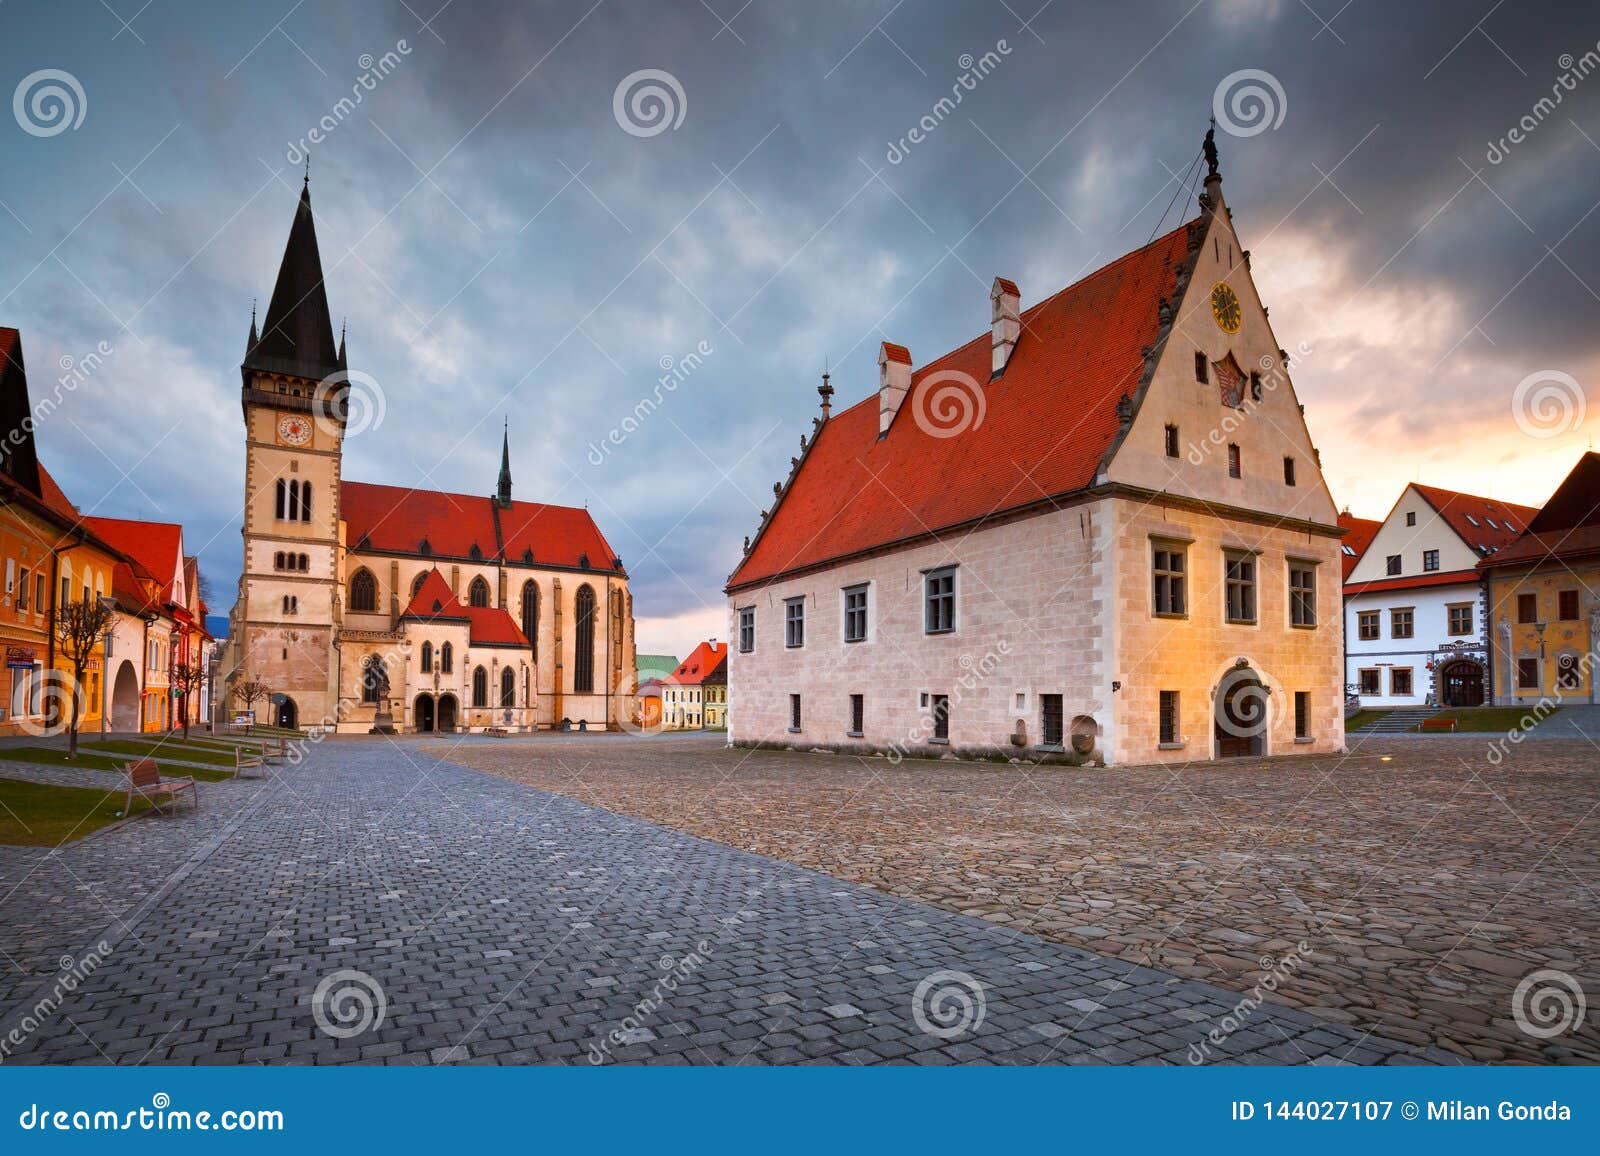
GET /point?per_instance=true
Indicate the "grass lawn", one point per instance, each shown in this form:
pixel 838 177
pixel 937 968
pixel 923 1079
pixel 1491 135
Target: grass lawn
pixel 168 748
pixel 40 815
pixel 1493 718
pixel 89 760
pixel 1361 718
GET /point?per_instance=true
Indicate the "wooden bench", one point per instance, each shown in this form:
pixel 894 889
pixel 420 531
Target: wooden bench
pixel 1438 724
pixel 144 780
pixel 247 761
pixel 274 752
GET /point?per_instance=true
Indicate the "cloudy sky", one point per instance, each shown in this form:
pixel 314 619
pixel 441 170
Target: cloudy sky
pixel 512 237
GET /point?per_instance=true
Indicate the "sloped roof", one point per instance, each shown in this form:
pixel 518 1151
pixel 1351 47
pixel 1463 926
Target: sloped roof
pixel 486 625
pixel 694 670
pixel 1480 522
pixel 1047 421
pixel 1359 533
pixel 1432 578
pixel 397 520
pixel 297 335
pixel 154 544
pixel 719 673
pixel 1567 526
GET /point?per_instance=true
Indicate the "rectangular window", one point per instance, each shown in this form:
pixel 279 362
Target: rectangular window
pixel 1169 717
pixel 22 591
pixel 1235 466
pixel 747 629
pixel 1527 608
pixel 794 622
pixel 1411 517
pixel 855 613
pixel 858 714
pixel 1369 682
pixel 939 598
pixel 1402 623
pixel 1527 674
pixel 1391 564
pixel 1288 471
pixel 1172 441
pixel 1430 559
pixel 1241 587
pixel 66 594
pixel 1302 714
pixel 1567 676
pixel 794 712
pixel 38 593
pixel 1168 571
pixel 1567 605
pixel 941 718
pixel 1400 681
pixel 1302 595
pixel 1367 625
pixel 1051 729
pixel 1461 619
pixel 1201 373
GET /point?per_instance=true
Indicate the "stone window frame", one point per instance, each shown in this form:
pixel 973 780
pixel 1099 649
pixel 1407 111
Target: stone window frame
pixel 1411 681
pixel 1303 596
pixel 1176 600
pixel 850 632
pixel 1410 622
pixel 1377 681
pixel 858 716
pixel 794 622
pixel 1302 716
pixel 1250 587
pixel 1169 720
pixel 795 715
pixel 939 607
pixel 1362 617
pixel 747 625
pixel 939 711
pixel 1450 610
pixel 1047 741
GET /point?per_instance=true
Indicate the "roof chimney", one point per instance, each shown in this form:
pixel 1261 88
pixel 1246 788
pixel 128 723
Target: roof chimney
pixel 1005 322
pixel 894 379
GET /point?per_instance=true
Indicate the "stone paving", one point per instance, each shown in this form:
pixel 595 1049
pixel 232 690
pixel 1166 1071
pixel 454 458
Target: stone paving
pixel 375 904
pixel 1425 879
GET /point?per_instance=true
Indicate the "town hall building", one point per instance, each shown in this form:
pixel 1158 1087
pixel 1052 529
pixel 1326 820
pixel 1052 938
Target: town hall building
pixel 367 607
pixel 1100 528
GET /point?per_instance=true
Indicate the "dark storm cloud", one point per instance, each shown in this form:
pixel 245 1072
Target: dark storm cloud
pixel 502 248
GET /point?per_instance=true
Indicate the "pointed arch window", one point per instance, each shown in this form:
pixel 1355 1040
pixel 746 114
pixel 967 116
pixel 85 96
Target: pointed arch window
pixel 305 501
pixel 364 592
pixel 480 687
pixel 281 508
pixel 530 615
pixel 416 583
pixel 374 679
pixel 427 658
pixel 478 592
pixel 583 659
pixel 446 658
pixel 508 688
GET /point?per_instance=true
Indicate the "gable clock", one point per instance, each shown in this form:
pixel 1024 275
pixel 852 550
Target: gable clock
pixel 294 429
pixel 1225 307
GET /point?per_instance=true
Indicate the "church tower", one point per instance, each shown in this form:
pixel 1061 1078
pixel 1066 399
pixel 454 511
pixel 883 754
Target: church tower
pixel 293 396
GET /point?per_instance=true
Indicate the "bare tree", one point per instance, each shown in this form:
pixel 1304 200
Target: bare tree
pixel 250 691
pixel 186 678
pixel 80 627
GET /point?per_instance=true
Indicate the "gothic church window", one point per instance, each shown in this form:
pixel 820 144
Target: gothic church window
pixel 583 659
pixel 364 592
pixel 530 615
pixel 478 592
pixel 480 687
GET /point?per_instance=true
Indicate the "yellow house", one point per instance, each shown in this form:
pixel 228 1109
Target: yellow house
pixel 1544 599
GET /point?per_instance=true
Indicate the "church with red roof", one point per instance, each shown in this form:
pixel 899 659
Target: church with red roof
pixel 374 607
pixel 1098 531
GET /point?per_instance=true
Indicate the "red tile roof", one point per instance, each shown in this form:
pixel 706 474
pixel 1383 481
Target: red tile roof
pixel 56 498
pixel 897 353
pixel 1359 533
pixel 694 670
pixel 1437 578
pixel 396 520
pixel 155 544
pixel 1046 423
pixel 1567 526
pixel 1497 523
pixel 486 625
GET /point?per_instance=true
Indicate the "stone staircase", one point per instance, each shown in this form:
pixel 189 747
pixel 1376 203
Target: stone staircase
pixel 1398 721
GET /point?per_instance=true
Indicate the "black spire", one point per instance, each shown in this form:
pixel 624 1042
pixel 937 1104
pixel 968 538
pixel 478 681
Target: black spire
pixel 502 496
pixel 251 344
pixel 297 335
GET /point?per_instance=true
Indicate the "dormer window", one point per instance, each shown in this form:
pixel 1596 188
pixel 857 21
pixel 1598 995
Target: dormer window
pixel 1471 519
pixel 1492 526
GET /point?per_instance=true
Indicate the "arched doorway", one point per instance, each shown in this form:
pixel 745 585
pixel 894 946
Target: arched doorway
pixel 286 714
pixel 125 699
pixel 447 712
pixel 423 712
pixel 1241 714
pixel 1461 683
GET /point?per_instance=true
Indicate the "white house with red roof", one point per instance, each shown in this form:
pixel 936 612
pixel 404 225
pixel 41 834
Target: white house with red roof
pixel 364 606
pixel 1416 624
pixel 687 701
pixel 1099 527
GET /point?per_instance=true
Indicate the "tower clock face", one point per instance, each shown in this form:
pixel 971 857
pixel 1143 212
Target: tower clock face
pixel 1225 307
pixel 294 429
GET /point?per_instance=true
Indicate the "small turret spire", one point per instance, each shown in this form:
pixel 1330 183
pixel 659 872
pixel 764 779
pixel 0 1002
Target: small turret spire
pixel 826 390
pixel 343 324
pixel 253 335
pixel 502 496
